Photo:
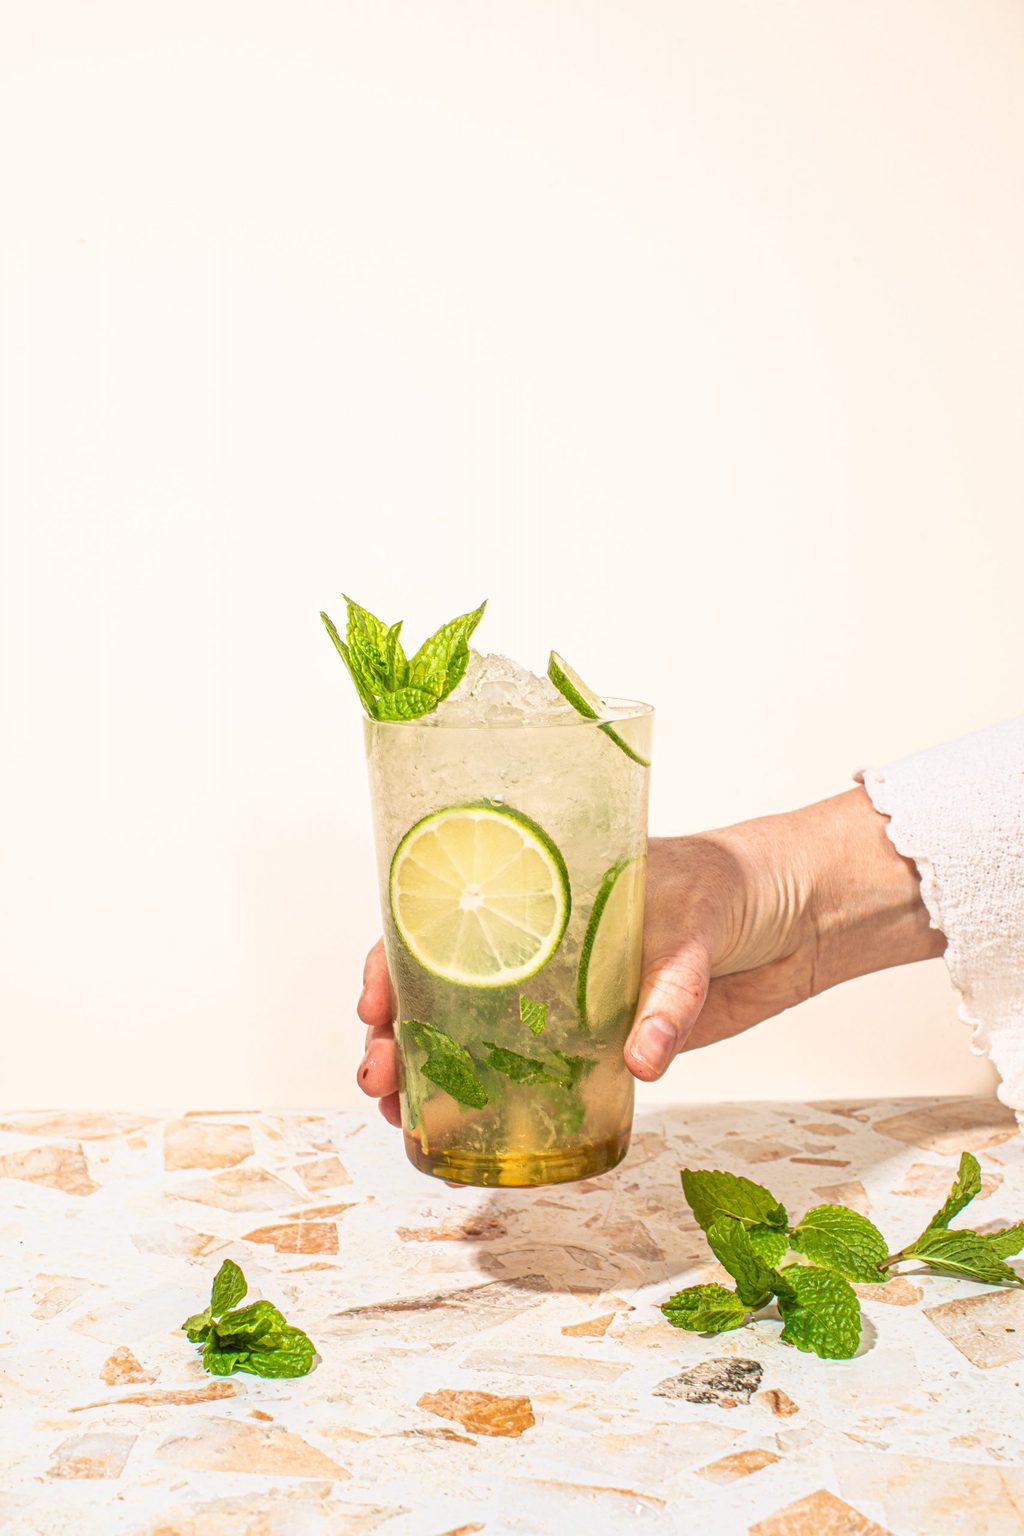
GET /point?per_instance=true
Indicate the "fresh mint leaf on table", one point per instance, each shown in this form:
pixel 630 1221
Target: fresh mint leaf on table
pixel 712 1193
pixel 255 1338
pixel 966 1185
pixel 769 1242
pixel 533 1014
pixel 448 1064
pixel 228 1288
pixel 959 1251
pixel 749 1232
pixel 730 1243
pixel 1005 1242
pixel 963 1253
pixel 841 1240
pixel 819 1310
pixel 390 686
pixel 705 1309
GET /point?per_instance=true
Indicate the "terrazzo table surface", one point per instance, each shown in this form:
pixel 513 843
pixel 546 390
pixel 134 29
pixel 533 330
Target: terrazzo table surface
pixel 492 1361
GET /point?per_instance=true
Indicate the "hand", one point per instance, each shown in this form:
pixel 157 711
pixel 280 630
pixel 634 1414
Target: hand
pixel 740 925
pixel 748 921
pixel 378 1070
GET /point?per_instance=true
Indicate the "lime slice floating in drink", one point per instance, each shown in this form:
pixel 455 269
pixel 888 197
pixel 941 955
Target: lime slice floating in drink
pixel 479 894
pixel 609 975
pixel 589 704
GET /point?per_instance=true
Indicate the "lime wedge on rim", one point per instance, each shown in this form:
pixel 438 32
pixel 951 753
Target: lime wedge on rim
pixel 479 894
pixel 589 704
pixel 608 981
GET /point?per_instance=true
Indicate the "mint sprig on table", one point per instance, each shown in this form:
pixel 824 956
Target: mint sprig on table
pixel 749 1232
pixel 389 684
pixel 255 1338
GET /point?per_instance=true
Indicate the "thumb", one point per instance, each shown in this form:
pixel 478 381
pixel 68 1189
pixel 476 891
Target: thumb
pixel 672 994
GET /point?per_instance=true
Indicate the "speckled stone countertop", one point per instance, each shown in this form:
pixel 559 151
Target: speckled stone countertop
pixel 492 1361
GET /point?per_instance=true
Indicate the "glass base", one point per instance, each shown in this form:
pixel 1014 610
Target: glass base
pixel 518 1170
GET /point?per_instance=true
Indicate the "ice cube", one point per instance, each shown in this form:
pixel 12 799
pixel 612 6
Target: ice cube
pixel 497 690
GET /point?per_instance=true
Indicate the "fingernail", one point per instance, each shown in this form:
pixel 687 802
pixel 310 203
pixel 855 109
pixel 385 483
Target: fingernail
pixel 654 1044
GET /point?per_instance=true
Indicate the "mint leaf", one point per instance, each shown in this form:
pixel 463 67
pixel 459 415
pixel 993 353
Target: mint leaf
pixel 712 1193
pixel 406 704
pixel 966 1185
pixel 705 1309
pixel 448 1064
pixel 520 1069
pixel 363 688
pixel 397 666
pixel 569 1070
pixel 557 1074
pixel 445 654
pixel 556 1067
pixel 820 1311
pixel 961 1253
pixel 728 1240
pixel 228 1287
pixel 367 633
pixel 197 1327
pixel 411 1085
pixel 533 1014
pixel 837 1238
pixel 768 1243
pixel 255 1338
pixel 1006 1241
pixel 239 1329
pixel 286 1353
pixel 220 1362
pixel 391 687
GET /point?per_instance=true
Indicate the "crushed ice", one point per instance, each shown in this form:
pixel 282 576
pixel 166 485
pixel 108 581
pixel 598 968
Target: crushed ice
pixel 495 690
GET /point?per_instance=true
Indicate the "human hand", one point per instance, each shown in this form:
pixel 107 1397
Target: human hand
pixel 746 922
pixel 740 925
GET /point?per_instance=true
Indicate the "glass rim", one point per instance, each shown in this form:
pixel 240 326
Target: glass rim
pixel 617 712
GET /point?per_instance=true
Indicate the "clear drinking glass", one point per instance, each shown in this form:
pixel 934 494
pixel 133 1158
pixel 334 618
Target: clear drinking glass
pixel 511 860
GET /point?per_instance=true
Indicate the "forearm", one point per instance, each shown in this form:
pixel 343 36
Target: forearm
pixel 865 898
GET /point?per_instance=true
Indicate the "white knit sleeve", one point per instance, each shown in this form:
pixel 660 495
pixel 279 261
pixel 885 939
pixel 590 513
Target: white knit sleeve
pixel 958 812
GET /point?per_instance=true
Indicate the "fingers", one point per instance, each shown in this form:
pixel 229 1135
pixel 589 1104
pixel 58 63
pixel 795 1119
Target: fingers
pixel 377 1074
pixel 672 995
pixel 378 1071
pixel 376 1005
pixel 390 1109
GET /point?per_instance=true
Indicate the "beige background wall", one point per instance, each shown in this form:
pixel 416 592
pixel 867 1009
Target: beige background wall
pixel 691 335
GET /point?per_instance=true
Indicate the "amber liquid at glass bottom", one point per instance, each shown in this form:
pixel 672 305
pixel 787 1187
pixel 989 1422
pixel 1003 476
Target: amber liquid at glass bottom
pixel 587 798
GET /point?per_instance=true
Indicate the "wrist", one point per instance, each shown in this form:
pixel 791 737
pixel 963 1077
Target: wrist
pixel 865 905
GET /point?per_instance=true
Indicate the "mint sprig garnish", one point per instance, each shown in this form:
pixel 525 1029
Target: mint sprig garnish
pixel 255 1338
pixel 749 1232
pixel 390 686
